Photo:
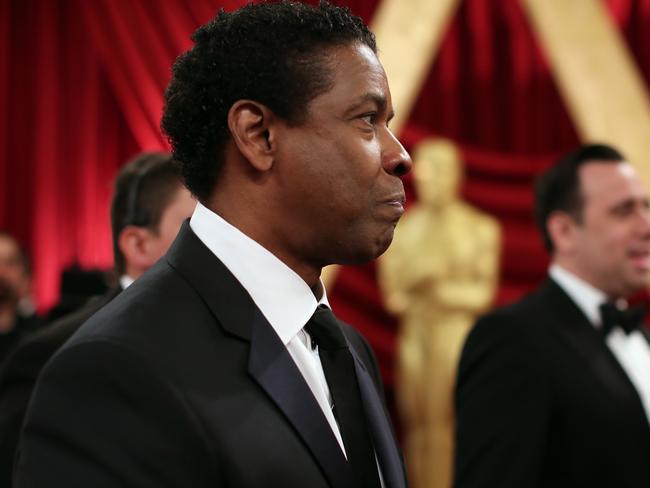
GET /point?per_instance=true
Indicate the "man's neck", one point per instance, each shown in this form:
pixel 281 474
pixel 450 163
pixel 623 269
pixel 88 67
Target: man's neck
pixel 586 297
pixel 317 290
pixel 133 272
pixel 569 267
pixel 248 224
pixel 7 319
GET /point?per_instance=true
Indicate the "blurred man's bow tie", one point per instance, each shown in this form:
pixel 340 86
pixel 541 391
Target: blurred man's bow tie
pixel 628 319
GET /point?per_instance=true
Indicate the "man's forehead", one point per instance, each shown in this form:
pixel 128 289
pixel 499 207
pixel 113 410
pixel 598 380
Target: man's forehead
pixel 597 172
pixel 357 73
pixel 607 182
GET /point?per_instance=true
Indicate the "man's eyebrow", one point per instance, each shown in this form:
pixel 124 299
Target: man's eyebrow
pixel 376 98
pixel 629 204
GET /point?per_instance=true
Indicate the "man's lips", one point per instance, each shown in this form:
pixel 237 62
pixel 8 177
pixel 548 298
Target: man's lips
pixel 395 202
pixel 640 258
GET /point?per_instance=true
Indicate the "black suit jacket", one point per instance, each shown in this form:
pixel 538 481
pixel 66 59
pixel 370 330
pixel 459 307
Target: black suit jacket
pixel 21 369
pixel 181 381
pixel 542 402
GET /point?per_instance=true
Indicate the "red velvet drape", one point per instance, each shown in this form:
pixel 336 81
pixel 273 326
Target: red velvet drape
pixel 81 91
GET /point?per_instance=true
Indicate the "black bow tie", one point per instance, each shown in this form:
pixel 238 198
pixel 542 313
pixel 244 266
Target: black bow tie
pixel 629 319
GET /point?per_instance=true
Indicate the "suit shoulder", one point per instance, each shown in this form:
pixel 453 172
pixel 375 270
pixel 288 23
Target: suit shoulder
pixel 33 352
pixel 502 396
pixel 526 316
pixel 162 318
pixel 516 334
pixel 150 302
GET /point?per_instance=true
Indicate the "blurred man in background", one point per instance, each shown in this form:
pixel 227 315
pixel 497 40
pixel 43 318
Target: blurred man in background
pixel 149 204
pixel 17 314
pixel 554 391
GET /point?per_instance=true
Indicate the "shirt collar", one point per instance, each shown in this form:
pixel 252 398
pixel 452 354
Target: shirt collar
pixel 126 281
pixel 586 297
pixel 282 296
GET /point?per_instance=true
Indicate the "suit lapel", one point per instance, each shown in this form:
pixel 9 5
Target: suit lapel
pixel 215 284
pixel 390 460
pixel 274 369
pixel 576 330
pixel 270 365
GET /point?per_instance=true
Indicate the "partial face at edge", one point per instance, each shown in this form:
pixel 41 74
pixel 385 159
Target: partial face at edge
pixel 12 269
pixel 179 209
pixel 341 193
pixel 612 243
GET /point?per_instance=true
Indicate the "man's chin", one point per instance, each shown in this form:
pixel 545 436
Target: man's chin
pixel 362 250
pixel 383 243
pixel 363 255
pixel 636 283
pixel 383 248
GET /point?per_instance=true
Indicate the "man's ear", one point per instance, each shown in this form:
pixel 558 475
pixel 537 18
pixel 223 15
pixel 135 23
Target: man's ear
pixel 134 242
pixel 251 126
pixel 562 229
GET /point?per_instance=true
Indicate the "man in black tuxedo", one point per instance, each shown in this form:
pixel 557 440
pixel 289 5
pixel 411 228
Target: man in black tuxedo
pixel 148 207
pixel 554 391
pixel 223 364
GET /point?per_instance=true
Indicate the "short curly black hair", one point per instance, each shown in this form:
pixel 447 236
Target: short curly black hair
pixel 558 188
pixel 273 53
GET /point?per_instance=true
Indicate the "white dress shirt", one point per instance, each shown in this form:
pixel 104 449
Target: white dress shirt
pixel 282 296
pixel 126 281
pixel 631 350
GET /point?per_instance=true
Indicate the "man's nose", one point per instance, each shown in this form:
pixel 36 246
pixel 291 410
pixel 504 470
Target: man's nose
pixel 395 159
pixel 644 226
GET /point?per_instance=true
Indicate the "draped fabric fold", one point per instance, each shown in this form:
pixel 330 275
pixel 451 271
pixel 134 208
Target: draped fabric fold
pixel 135 83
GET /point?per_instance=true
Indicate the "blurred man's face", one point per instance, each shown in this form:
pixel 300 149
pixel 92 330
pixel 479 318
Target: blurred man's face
pixel 13 274
pixel 341 194
pixel 612 243
pixel 179 209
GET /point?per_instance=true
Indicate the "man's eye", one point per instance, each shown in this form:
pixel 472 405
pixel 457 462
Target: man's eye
pixel 623 210
pixel 370 118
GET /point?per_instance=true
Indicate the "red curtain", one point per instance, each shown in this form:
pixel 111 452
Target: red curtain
pixel 81 87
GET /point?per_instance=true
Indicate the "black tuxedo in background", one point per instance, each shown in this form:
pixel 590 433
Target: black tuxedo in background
pixel 24 326
pixel 21 369
pixel 181 382
pixel 542 402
